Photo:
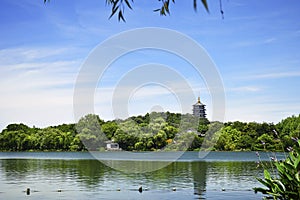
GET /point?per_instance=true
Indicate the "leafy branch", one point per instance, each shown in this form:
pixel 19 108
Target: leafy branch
pixel 287 184
pixel 118 7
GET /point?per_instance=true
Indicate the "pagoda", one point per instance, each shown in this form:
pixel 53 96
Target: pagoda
pixel 199 109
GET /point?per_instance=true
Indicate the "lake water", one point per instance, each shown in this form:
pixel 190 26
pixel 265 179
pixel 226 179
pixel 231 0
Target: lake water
pixel 78 175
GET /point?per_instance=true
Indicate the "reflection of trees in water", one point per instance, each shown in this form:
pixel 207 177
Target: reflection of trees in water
pixel 232 175
pixel 232 170
pixel 179 175
pixel 15 169
pixel 89 172
pixel 93 174
pixel 165 178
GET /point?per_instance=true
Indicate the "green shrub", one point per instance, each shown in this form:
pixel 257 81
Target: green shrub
pixel 286 183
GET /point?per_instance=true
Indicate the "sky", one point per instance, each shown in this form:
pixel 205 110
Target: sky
pixel 255 48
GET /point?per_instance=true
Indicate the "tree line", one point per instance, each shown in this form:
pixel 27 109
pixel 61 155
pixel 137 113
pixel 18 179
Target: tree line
pixel 151 132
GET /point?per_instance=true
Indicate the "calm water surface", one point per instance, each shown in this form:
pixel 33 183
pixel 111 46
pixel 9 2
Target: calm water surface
pixel 79 176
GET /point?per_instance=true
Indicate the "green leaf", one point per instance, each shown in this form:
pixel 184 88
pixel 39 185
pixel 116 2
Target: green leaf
pixel 291 157
pixel 267 174
pixel 296 163
pixel 297 177
pixel 280 168
pixel 265 183
pixel 289 167
pixel 270 183
pixel 289 177
pixel 280 186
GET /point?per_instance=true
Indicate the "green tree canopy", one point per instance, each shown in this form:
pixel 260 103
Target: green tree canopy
pixel 153 131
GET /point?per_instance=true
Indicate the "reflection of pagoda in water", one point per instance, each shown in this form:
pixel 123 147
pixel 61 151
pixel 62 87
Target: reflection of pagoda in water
pixel 199 171
pixel 199 109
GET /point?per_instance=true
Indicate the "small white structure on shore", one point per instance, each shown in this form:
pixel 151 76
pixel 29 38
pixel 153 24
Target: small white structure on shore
pixel 112 146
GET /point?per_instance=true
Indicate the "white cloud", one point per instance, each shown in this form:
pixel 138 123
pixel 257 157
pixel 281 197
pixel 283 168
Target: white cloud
pixel 36 92
pixel 276 75
pixel 28 76
pixel 269 40
pixel 21 55
pixel 244 89
pixel 256 42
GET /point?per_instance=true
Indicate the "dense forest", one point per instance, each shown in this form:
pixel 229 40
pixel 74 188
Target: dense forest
pixel 152 132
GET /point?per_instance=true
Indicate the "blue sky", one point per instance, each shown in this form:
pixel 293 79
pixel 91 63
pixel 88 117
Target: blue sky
pixel 42 47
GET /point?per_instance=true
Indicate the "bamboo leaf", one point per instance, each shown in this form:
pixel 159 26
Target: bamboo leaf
pixel 114 11
pixel 296 163
pixel 289 167
pixel 297 177
pixel 120 16
pixel 162 11
pixel 115 3
pixel 267 174
pixel 263 182
pixel 166 6
pixel 280 168
pixel 204 2
pixel 280 186
pixel 289 177
pixel 128 4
